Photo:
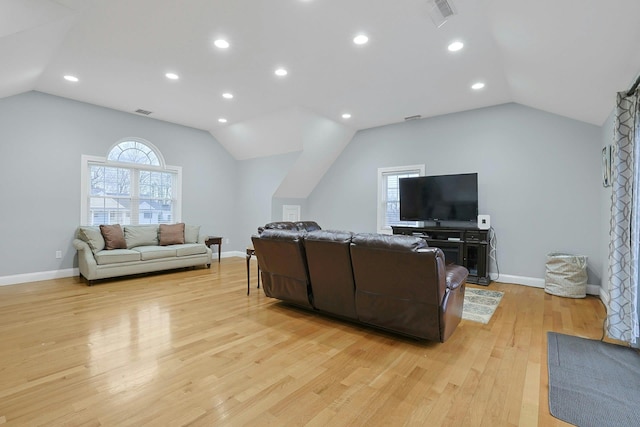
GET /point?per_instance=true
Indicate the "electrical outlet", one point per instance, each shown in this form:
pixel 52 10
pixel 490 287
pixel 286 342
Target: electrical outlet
pixel 58 254
pixel 226 241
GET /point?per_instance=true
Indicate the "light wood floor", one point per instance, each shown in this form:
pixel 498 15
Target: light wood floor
pixel 191 348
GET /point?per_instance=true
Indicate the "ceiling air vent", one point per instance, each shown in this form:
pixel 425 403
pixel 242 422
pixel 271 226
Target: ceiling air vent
pixel 417 116
pixel 440 11
pixel 141 111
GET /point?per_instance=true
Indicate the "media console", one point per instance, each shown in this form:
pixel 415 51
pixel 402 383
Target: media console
pixel 462 246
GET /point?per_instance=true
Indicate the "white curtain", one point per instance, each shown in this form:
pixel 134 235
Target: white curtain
pixel 622 298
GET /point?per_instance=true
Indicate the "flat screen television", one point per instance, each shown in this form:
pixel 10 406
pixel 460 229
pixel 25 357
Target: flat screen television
pixel 439 198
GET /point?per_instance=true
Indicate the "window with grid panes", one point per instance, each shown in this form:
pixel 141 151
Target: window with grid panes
pixel 389 195
pixel 131 186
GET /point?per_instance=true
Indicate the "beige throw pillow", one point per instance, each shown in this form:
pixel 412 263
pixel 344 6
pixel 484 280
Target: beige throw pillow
pixel 113 237
pixel 93 237
pixel 191 233
pixel 141 235
pixel 171 234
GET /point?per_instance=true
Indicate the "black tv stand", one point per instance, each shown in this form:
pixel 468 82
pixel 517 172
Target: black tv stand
pixel 462 246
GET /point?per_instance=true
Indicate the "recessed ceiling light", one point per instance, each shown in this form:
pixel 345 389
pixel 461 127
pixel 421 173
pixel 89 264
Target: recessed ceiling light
pixel 221 43
pixel 346 116
pixel 455 46
pixel 222 120
pixel 227 95
pixel 281 72
pixel 71 78
pixel 172 76
pixel 477 86
pixel 360 39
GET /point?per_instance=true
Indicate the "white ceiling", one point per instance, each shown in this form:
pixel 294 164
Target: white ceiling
pixel 567 57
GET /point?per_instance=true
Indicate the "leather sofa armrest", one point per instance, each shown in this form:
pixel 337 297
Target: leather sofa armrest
pixel 455 276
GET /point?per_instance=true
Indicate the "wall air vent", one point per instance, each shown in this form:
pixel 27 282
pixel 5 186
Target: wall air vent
pixel 440 11
pixel 417 116
pixel 141 111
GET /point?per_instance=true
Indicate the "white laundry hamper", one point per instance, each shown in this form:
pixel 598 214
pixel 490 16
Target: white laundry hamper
pixel 566 275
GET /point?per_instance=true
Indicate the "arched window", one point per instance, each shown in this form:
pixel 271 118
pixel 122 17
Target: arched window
pixel 132 185
pixel 135 151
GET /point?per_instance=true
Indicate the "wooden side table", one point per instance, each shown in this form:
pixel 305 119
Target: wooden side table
pixel 214 240
pixel 250 252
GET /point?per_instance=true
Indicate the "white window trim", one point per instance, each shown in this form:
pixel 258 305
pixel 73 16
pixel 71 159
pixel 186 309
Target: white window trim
pixel 144 142
pixel 87 160
pixel 382 197
pixel 291 209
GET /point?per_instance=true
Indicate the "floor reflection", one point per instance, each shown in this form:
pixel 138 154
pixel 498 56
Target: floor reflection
pixel 126 348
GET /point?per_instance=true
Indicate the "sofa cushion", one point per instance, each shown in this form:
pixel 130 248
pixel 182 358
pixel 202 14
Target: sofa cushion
pixel 140 235
pixel 93 237
pixel 282 262
pixel 191 233
pixel 389 242
pixel 155 252
pixel 329 260
pixel 288 225
pixel 113 237
pixel 190 249
pixel 171 234
pixel 308 226
pixel 116 256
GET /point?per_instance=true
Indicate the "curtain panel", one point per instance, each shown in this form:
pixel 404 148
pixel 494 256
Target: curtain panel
pixel 622 298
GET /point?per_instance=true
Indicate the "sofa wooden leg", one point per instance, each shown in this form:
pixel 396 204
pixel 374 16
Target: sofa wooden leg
pixel 209 265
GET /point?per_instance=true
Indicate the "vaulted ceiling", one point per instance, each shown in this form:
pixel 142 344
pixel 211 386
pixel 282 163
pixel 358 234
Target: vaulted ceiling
pixel 567 57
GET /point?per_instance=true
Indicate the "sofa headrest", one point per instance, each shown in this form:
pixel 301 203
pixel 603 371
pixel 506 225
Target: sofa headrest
pixel 307 225
pixel 278 234
pixel 329 236
pixel 288 225
pixel 280 225
pixel 393 242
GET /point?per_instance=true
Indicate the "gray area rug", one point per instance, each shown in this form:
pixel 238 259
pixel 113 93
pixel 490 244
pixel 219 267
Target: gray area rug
pixel 592 383
pixel 479 304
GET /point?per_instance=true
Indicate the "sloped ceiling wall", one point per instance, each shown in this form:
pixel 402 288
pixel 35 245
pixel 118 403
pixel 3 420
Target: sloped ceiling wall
pixel 318 139
pixel 31 32
pixel 567 57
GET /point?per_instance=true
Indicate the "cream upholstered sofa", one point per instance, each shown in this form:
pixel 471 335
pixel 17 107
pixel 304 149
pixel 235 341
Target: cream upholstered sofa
pixel 145 249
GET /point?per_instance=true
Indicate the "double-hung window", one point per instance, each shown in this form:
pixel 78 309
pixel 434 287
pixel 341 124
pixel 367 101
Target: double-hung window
pixel 389 195
pixel 132 185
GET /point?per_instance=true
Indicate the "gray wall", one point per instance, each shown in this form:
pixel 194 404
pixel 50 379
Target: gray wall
pixel 258 179
pixel 538 177
pixel 42 138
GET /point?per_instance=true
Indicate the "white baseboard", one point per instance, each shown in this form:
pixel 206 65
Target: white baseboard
pixel 538 283
pixel 38 276
pixel 229 254
pixel 70 272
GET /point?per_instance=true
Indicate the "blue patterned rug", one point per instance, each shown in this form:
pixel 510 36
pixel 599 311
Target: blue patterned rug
pixel 479 304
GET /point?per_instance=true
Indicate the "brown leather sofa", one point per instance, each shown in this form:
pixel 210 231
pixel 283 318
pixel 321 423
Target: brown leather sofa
pixel 392 282
pixel 288 225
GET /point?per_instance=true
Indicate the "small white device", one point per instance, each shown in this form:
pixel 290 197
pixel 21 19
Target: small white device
pixel 484 222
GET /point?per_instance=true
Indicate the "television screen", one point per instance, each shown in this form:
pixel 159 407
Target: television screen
pixel 439 198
